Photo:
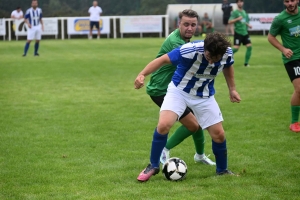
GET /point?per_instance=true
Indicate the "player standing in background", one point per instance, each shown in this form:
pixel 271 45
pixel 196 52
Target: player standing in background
pixel 95 11
pixel 33 19
pixel 240 19
pixel 286 24
pixel 227 8
pixel 192 85
pixel 160 79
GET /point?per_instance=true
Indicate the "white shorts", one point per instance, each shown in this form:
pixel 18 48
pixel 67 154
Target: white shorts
pixel 206 110
pixel 34 33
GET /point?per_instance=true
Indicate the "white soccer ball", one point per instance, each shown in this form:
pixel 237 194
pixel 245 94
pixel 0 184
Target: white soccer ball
pixel 174 169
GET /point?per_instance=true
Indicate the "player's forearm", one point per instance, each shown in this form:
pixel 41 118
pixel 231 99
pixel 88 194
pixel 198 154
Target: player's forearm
pixel 155 65
pixel 229 77
pixel 273 40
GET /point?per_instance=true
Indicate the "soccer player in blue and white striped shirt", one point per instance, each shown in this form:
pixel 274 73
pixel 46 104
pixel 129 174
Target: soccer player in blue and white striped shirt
pixel 192 85
pixel 33 19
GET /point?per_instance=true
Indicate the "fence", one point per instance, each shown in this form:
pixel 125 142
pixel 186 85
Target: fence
pixel 111 26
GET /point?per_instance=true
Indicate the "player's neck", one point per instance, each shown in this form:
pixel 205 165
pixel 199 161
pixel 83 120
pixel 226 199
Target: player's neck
pixel 295 12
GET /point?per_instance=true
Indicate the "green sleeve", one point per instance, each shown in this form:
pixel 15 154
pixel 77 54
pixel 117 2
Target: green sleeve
pixel 233 15
pixel 275 27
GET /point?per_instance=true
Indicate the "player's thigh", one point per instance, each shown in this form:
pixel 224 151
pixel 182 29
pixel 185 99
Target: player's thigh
pixel 190 122
pixel 207 112
pixel 38 34
pixel 30 34
pixel 167 119
pixel 237 39
pixel 246 40
pixel 97 25
pixel 293 70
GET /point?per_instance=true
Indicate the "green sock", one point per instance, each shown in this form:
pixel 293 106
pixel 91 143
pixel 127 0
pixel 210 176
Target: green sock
pixel 199 141
pixel 295 113
pixel 248 54
pixel 234 50
pixel 180 134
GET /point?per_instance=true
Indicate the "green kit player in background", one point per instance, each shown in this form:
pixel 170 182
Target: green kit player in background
pixel 240 19
pixel 287 25
pixel 160 79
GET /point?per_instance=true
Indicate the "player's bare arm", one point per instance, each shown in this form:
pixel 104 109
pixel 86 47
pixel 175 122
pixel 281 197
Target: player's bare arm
pixel 235 20
pixel 42 23
pixel 229 77
pixel 27 22
pixel 288 53
pixel 151 67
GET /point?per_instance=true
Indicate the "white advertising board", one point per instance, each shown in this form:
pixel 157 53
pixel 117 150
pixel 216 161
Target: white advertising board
pixel 2 27
pixel 50 27
pixel 81 25
pixel 261 21
pixel 141 24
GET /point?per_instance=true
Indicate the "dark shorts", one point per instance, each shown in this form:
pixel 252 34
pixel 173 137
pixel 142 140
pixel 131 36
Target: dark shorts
pixel 241 39
pixel 293 69
pixel 92 24
pixel 158 100
pixel 225 20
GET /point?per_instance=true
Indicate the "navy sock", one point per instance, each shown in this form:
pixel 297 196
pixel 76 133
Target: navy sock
pixel 36 47
pixel 220 151
pixel 26 48
pixel 158 143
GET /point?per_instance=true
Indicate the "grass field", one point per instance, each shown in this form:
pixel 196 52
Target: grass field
pixel 73 127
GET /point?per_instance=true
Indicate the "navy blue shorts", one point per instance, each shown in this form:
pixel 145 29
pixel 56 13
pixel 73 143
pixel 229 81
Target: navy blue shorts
pixel 92 24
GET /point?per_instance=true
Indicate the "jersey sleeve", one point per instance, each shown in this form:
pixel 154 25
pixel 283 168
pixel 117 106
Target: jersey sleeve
pixel 229 60
pixel 89 11
pixel 41 14
pixel 27 15
pixel 233 15
pixel 275 26
pixel 175 56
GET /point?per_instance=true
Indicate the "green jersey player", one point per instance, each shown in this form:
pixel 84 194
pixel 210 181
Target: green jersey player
pixel 240 19
pixel 160 79
pixel 287 25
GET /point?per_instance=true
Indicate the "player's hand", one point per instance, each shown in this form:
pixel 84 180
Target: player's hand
pixel 287 53
pixel 42 28
pixel 250 26
pixel 29 25
pixel 234 96
pixel 139 81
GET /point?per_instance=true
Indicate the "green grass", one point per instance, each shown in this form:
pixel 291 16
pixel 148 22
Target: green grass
pixel 73 127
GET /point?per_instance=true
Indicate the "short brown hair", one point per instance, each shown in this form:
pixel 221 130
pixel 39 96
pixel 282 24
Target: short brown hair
pixel 216 44
pixel 188 13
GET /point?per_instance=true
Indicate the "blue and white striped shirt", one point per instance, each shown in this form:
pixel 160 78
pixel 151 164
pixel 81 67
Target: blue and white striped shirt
pixel 34 16
pixel 194 74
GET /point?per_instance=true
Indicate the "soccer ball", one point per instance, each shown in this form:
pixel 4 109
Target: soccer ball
pixel 174 169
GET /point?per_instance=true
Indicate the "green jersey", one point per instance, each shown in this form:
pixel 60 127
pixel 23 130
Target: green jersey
pixel 288 27
pixel 240 26
pixel 160 79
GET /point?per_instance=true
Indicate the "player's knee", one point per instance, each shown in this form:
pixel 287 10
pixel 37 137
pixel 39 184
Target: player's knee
pixel 163 127
pixel 219 136
pixel 249 48
pixel 193 127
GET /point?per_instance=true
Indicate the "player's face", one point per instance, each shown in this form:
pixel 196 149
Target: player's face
pixel 291 6
pixel 240 4
pixel 34 4
pixel 187 27
pixel 95 3
pixel 211 59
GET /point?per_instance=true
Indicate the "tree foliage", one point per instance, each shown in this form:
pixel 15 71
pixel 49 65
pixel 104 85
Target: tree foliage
pixel 58 8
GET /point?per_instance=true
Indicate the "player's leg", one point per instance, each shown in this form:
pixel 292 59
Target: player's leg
pixel 172 107
pixel 38 36
pixel 293 71
pixel 209 116
pixel 91 29
pixel 236 42
pixel 98 29
pixel 247 42
pixel 30 37
pixel 225 23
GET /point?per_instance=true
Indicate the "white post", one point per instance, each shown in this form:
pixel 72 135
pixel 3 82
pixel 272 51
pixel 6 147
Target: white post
pixel 115 27
pixel 166 25
pixel 62 28
pixel 9 30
